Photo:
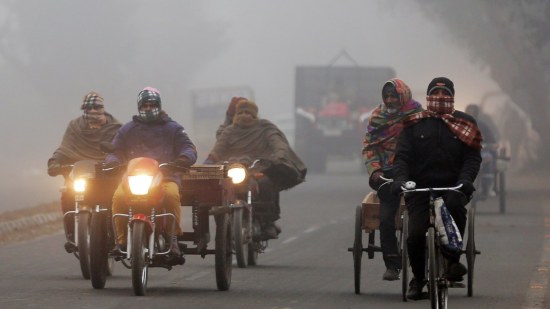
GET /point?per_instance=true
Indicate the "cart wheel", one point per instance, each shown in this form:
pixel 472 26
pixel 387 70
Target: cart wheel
pixel 502 191
pixel 471 250
pixel 240 239
pixel 404 255
pixel 358 248
pixel 224 254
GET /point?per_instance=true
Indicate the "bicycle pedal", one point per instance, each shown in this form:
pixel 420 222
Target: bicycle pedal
pixel 458 285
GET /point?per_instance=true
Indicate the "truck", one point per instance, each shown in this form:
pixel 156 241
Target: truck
pixel 209 107
pixel 332 106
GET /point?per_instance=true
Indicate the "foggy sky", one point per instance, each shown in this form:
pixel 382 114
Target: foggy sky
pixel 263 42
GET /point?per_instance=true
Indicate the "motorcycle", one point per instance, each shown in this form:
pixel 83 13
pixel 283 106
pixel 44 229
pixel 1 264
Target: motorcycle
pixel 150 227
pixel 250 214
pixel 91 192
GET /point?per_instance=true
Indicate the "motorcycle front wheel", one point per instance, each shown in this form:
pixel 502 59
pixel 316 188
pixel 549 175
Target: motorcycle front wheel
pixel 224 252
pixel 140 264
pixel 84 243
pixel 240 239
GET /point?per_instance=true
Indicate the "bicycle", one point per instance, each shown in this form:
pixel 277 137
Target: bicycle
pixel 436 266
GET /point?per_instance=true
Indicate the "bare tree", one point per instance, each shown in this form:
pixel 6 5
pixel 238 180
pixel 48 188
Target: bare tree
pixel 511 38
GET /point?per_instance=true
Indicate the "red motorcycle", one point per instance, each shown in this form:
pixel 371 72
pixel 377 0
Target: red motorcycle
pixel 150 227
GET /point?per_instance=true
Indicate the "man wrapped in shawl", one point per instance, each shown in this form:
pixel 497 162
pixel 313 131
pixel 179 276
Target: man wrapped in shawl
pixel 260 139
pixel 384 127
pixel 439 147
pixel 81 142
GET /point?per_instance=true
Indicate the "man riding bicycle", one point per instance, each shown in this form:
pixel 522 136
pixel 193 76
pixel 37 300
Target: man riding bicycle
pixel 438 147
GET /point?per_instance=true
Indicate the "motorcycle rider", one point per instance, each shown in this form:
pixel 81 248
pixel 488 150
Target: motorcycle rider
pixel 152 133
pixel 81 141
pixel 229 114
pixel 438 147
pixel 260 139
pixel 489 154
pixel 384 126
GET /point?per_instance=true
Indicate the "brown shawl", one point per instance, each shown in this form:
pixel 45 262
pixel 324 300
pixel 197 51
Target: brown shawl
pixel 262 141
pixel 80 142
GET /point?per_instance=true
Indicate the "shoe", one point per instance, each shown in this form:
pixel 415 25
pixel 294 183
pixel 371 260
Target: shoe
pixel 415 290
pixel 119 250
pixel 175 247
pixel 70 247
pixel 456 272
pixel 391 274
pixel 270 231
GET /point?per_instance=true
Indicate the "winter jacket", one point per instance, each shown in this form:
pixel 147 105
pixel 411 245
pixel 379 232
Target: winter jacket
pixel 429 154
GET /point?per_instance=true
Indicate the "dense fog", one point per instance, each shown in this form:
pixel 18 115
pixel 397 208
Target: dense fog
pixel 53 52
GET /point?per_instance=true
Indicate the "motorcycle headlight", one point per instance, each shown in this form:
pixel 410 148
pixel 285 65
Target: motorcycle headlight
pixel 237 174
pixel 140 184
pixel 79 185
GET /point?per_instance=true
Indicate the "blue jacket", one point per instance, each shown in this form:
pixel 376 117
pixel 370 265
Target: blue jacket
pixel 163 140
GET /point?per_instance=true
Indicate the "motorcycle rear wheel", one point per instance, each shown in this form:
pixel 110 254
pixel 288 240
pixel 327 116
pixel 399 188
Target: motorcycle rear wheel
pixel 140 265
pixel 84 243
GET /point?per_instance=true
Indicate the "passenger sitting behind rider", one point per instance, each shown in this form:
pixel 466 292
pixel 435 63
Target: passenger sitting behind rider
pixel 439 147
pixel 384 126
pixel 154 135
pixel 81 142
pixel 261 139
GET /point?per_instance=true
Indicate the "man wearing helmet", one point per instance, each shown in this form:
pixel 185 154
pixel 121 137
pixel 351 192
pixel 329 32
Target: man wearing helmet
pixel 152 134
pixel 384 126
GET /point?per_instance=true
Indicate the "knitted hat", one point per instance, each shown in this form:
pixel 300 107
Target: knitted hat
pixel 441 83
pixel 90 100
pixel 246 105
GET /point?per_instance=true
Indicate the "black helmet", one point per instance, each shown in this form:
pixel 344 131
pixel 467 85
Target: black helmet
pixel 148 94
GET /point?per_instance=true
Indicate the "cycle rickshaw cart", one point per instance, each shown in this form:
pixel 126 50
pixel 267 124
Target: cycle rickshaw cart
pixel 367 221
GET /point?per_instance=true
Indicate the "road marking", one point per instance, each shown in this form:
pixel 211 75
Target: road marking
pixel 289 240
pixel 197 275
pixel 312 229
pixel 539 281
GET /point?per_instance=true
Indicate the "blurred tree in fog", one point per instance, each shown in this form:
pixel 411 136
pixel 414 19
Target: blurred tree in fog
pixel 512 39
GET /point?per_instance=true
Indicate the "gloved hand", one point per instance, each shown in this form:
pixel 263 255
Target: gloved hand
pixel 396 187
pixel 467 187
pixel 181 162
pixel 110 164
pixel 54 168
pixel 375 181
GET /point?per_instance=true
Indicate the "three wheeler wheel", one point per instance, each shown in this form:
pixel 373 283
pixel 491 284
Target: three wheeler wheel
pixel 100 262
pixel 471 250
pixel 240 233
pixel 139 256
pixel 502 192
pixel 84 243
pixel 224 254
pixel 404 255
pixel 358 248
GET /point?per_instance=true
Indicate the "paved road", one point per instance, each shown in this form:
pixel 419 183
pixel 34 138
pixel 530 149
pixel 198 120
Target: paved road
pixel 308 267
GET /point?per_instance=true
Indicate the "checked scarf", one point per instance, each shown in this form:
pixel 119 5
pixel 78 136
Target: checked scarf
pixel 442 107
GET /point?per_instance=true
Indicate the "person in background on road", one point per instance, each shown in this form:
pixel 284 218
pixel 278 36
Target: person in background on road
pixel 489 153
pixel 439 147
pixel 81 142
pixel 152 134
pixel 384 126
pixel 229 114
pixel 261 139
